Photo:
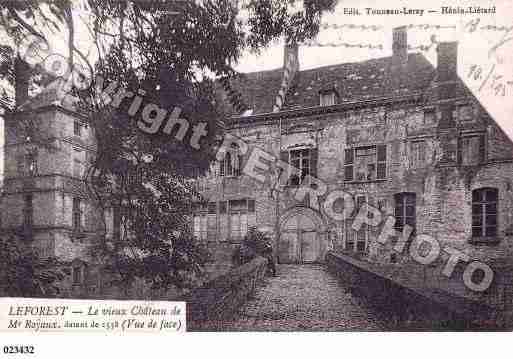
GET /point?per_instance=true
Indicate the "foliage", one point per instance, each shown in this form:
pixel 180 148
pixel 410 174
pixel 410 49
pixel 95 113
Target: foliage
pixel 255 243
pixel 174 51
pixel 24 274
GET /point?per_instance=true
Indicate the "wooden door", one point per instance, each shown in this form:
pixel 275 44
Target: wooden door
pixel 298 241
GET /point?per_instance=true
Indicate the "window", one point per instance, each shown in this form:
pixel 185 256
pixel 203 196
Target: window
pixel 357 241
pixel 327 98
pixel 200 221
pixel 28 211
pixel 242 217
pixel 224 221
pixel 405 212
pixel 349 164
pixel 77 128
pixel 484 212
pixel 211 221
pixel 365 163
pixel 472 150
pixel 232 220
pixel 362 234
pixel 418 154
pixel 31 163
pixel 299 159
pixel 77 275
pixel 116 222
pixel 77 214
pixel 304 161
pixel 231 164
pixel 78 163
pixel 429 117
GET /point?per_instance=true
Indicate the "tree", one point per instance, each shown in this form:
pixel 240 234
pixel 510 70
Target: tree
pixel 173 51
pixel 23 273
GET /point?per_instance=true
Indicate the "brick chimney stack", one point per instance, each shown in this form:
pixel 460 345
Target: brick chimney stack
pixel 447 61
pixel 22 79
pixel 290 69
pixel 447 69
pixel 291 51
pixel 446 85
pixel 400 45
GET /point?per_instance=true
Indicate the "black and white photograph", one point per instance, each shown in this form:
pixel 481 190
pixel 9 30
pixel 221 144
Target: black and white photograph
pixel 255 166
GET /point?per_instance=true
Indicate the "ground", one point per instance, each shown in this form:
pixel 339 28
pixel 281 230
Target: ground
pixel 303 298
pixel 307 297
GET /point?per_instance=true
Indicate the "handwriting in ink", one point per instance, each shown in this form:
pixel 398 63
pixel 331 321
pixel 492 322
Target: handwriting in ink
pixel 491 79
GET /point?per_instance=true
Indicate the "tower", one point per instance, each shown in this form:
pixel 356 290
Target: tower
pixel 48 148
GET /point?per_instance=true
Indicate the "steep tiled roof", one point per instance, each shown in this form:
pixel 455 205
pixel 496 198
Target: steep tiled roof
pixel 365 80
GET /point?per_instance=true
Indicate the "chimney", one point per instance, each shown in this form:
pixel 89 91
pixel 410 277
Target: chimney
pixel 447 61
pixel 290 68
pixel 291 53
pixel 400 45
pixel 21 78
pixel 447 69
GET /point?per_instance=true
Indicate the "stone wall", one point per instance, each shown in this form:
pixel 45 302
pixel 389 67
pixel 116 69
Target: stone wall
pixel 218 299
pixel 402 285
pixel 443 192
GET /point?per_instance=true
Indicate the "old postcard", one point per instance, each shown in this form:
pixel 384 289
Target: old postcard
pixel 255 166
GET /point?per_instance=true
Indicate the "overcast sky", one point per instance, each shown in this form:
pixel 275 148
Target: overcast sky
pixel 474 47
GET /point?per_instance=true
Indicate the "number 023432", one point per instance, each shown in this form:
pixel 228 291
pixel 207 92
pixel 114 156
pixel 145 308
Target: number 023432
pixel 18 349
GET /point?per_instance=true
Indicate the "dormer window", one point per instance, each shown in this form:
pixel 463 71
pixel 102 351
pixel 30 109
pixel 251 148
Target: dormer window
pixel 328 98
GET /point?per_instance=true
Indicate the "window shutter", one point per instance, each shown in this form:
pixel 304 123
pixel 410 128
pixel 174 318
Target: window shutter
pixel 284 156
pixel 251 205
pixel 222 168
pixel 239 165
pixel 482 149
pixel 314 153
pixel 229 164
pixel 83 209
pixel 381 162
pixel 349 165
pixel 460 151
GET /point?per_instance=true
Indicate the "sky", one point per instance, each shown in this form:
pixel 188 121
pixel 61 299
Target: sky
pixel 474 55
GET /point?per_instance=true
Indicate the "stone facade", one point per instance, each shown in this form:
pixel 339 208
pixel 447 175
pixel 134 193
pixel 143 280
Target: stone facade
pixel 48 149
pixel 400 130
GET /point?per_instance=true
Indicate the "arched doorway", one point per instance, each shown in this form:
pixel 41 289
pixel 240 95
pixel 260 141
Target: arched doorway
pixel 300 241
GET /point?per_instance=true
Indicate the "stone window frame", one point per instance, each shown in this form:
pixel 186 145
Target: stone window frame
pixel 485 209
pixel 246 210
pixel 231 164
pixel 77 128
pixel 416 160
pixel 328 98
pixel 286 156
pixel 429 116
pixel 78 162
pixel 28 210
pixel 303 158
pixel 403 201
pixel 77 275
pixel 200 221
pixel 380 163
pixel 353 235
pixel 364 229
pixel 77 215
pixel 31 163
pixel 219 209
pixel 482 147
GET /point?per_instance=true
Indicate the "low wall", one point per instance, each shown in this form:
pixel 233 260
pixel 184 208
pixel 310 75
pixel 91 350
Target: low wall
pixel 219 299
pixel 385 286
